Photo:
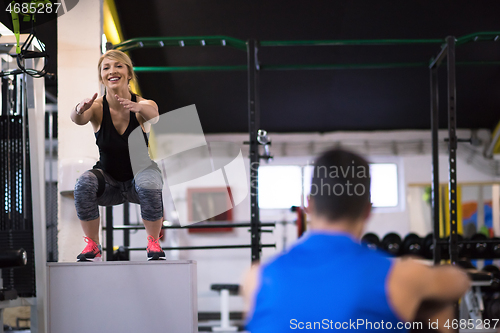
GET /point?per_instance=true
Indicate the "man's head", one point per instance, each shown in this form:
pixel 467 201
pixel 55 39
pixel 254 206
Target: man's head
pixel 340 188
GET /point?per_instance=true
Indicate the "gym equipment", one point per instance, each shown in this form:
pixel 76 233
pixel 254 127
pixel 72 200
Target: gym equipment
pixel 121 254
pixel 495 283
pixel 491 269
pixel 126 299
pixel 371 241
pixel 254 68
pixel 461 246
pixel 492 307
pixel 13 258
pixel 478 249
pixel 225 290
pixel 428 244
pixel 10 259
pixel 482 301
pixel 466 264
pixel 301 219
pixel 494 248
pixel 22 156
pixel 199 225
pixel 412 244
pixel 472 305
pixel 428 247
pixel 392 243
pixel 491 295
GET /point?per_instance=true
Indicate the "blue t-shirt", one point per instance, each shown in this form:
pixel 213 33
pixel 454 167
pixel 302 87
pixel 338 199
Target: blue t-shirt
pixel 325 282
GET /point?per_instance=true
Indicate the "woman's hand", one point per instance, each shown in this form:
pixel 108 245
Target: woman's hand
pixel 85 104
pixel 128 104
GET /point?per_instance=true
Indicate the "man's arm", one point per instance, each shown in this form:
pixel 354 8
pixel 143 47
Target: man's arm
pixel 444 283
pixel 421 292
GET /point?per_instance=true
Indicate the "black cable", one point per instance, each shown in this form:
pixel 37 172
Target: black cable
pixel 26 54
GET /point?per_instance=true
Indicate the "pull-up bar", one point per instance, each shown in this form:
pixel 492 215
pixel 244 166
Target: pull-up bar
pixel 303 67
pixel 157 42
pixel 152 42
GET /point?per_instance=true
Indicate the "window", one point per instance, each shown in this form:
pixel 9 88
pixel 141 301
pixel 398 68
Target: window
pixel 281 187
pixel 384 184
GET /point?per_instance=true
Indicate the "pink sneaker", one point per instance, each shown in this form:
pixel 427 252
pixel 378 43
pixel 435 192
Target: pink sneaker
pixel 154 249
pixel 91 252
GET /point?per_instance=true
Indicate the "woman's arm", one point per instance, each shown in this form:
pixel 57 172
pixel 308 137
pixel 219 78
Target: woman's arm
pixel 146 108
pixel 83 112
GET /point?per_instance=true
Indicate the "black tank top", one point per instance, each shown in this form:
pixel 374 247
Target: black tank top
pixel 114 157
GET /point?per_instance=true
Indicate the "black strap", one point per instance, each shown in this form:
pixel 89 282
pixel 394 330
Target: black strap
pixel 100 181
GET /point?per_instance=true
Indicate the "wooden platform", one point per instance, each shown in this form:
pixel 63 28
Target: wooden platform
pixel 159 296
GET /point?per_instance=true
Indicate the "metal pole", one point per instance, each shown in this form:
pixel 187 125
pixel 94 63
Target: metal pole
pixel 126 232
pixel 213 225
pixel 435 161
pixel 253 123
pixel 452 147
pixel 109 233
pixel 214 247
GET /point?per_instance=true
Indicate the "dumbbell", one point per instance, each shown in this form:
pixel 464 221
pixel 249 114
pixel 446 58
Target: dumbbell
pixel 13 258
pixel 445 250
pixel 478 249
pixel 465 264
pixel 494 248
pixel 392 244
pixel 428 250
pixel 371 241
pixel 461 246
pixel 121 254
pixel 492 307
pixel 495 284
pixel 412 245
pixel 428 244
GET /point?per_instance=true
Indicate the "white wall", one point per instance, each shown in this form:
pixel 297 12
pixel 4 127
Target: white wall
pixel 79 48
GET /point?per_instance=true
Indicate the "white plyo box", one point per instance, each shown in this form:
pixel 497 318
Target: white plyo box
pixel 159 296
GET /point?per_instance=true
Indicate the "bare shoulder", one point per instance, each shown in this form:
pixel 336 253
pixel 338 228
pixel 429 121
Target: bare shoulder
pixel 97 105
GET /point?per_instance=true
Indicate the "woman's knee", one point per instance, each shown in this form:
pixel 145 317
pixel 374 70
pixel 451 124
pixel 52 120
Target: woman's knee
pixel 151 202
pixel 86 196
pixel 148 179
pixel 87 184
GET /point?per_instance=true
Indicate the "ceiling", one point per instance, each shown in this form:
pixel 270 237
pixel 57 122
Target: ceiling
pixel 314 100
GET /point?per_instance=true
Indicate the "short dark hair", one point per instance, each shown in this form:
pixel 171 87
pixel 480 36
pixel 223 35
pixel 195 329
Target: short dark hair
pixel 340 185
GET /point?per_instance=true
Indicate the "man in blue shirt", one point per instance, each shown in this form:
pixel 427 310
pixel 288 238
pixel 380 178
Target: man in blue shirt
pixel 329 281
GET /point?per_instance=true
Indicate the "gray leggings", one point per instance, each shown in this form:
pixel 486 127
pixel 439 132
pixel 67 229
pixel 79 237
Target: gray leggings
pixel 145 189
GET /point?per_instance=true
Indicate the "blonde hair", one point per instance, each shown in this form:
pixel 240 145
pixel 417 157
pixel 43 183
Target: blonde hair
pixel 117 56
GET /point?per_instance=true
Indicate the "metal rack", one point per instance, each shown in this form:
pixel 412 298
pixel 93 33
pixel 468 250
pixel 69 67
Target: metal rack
pixel 126 227
pixel 22 223
pixel 448 52
pixel 253 67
